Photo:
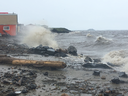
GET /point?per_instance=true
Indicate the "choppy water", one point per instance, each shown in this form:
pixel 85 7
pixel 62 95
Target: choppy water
pixel 110 46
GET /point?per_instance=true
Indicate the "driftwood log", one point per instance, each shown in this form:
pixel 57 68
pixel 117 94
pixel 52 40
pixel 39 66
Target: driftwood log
pixel 9 60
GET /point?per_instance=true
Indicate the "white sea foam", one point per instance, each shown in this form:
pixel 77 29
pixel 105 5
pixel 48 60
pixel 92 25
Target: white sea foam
pixel 102 40
pixel 88 35
pixel 36 35
pixel 119 57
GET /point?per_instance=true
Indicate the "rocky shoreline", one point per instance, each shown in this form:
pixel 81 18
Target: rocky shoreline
pixel 88 78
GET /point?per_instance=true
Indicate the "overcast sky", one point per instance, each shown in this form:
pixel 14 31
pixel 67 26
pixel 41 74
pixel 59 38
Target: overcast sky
pixel 71 14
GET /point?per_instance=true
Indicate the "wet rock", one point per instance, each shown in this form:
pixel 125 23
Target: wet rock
pixel 61 54
pixel 96 60
pixel 46 74
pixel 94 65
pixel 61 83
pixel 51 51
pixel 96 73
pixel 6 81
pixel 64 94
pixel 119 94
pixel 112 64
pixel 116 80
pixel 72 50
pixel 25 90
pixel 8 75
pixel 123 74
pixel 31 73
pixel 19 81
pixel 11 94
pixel 106 94
pixel 88 59
pixel 103 77
pixel 32 86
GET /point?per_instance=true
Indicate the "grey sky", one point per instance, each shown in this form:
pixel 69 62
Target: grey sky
pixel 72 14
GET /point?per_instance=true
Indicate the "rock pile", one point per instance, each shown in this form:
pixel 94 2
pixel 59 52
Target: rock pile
pixel 49 51
pixel 25 78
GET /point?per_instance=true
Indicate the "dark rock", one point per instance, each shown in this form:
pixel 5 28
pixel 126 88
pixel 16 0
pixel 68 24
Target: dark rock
pixel 31 73
pixel 116 80
pixel 119 94
pixel 87 59
pixel 8 75
pixel 20 81
pixel 106 94
pixel 60 30
pixel 97 60
pixel 96 73
pixel 123 74
pixel 45 47
pixel 50 51
pixel 61 54
pixel 93 65
pixel 11 94
pixel 46 74
pixel 6 81
pixel 32 86
pixel 46 55
pixel 72 50
pixel 24 46
pixel 112 90
pixel 25 90
pixel 112 64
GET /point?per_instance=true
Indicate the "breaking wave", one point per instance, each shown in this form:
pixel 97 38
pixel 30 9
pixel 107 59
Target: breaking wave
pixel 36 35
pixel 119 57
pixel 88 35
pixel 102 40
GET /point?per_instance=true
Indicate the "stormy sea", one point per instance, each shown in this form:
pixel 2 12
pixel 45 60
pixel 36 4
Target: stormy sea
pixel 109 46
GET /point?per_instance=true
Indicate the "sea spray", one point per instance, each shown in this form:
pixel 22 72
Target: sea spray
pixel 102 40
pixel 118 57
pixel 36 35
pixel 88 35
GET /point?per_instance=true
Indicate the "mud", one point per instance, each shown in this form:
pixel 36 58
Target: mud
pixel 74 80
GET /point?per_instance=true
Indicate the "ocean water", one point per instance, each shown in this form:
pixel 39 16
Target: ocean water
pixel 109 46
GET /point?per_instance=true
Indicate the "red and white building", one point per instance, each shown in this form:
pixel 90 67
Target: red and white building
pixel 8 23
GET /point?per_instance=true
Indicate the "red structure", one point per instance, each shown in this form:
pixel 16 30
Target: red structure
pixel 8 23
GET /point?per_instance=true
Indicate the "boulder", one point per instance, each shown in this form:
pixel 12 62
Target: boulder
pixel 116 80
pixel 72 50
pixel 123 74
pixel 88 59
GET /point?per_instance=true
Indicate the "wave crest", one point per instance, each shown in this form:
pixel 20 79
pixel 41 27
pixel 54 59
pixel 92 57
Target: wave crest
pixel 102 40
